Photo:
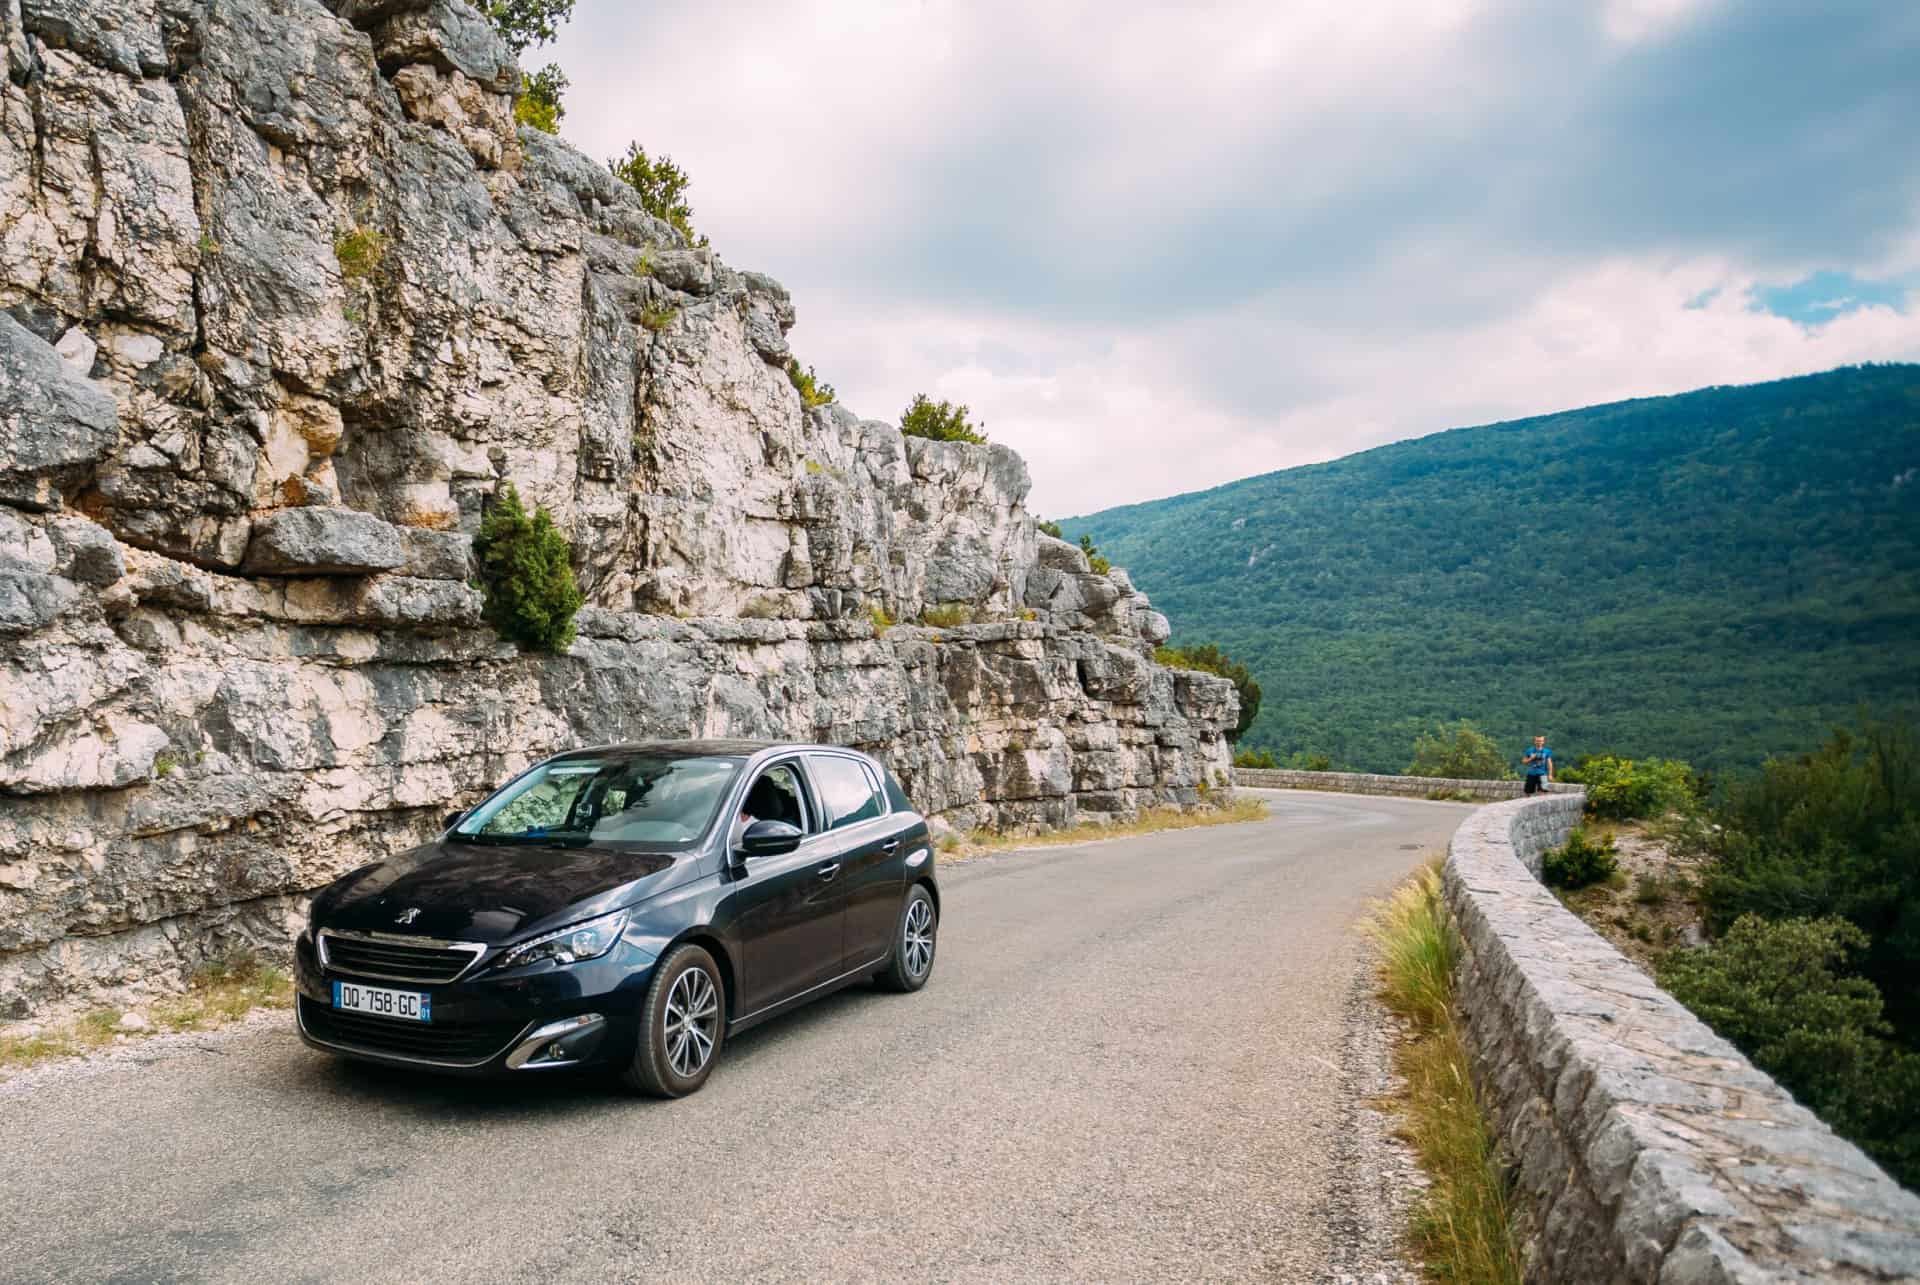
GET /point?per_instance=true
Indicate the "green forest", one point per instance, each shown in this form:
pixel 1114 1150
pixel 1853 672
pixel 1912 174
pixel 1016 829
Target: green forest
pixel 1715 577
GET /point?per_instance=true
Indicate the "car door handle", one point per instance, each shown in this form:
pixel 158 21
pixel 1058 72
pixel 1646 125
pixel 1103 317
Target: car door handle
pixel 829 870
pixel 890 847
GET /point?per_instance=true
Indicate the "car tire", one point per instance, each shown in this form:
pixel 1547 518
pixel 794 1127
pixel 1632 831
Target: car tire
pixel 683 1022
pixel 913 943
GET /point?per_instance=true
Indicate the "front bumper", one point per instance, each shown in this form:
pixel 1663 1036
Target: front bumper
pixel 546 1018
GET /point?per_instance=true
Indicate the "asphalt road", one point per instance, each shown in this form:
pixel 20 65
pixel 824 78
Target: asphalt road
pixel 1126 1067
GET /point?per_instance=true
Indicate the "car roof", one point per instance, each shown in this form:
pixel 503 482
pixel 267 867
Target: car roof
pixel 721 748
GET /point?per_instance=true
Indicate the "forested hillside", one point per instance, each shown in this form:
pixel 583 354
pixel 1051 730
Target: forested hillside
pixel 1713 576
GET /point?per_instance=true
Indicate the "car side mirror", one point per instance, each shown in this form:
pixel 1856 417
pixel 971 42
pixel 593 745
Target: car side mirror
pixel 769 839
pixel 453 819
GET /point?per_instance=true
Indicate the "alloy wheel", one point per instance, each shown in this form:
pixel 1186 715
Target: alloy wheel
pixel 919 937
pixel 692 1018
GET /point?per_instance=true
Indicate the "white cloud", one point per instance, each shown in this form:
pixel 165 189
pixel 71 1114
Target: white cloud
pixel 1631 21
pixel 1161 247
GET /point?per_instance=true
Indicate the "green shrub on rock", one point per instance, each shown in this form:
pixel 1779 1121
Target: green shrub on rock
pixel 1095 562
pixel 526 575
pixel 539 102
pixel 662 187
pixel 1621 789
pixel 1780 990
pixel 812 389
pixel 939 421
pixel 1580 861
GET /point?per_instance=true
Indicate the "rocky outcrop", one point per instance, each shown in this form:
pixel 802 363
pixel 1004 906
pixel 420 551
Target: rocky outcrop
pixel 286 297
pixel 1645 1147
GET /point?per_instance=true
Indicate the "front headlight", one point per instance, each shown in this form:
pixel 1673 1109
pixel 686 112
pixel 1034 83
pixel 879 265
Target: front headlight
pixel 570 945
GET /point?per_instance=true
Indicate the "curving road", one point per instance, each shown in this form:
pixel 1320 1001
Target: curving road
pixel 1128 1066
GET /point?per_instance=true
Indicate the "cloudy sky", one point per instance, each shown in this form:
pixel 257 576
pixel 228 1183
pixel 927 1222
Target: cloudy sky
pixel 1160 247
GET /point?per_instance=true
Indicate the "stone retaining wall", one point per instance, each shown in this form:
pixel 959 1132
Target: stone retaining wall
pixel 1418 787
pixel 1647 1148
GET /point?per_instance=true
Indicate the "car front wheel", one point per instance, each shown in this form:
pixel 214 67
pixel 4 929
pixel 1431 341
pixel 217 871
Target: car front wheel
pixel 683 1022
pixel 913 942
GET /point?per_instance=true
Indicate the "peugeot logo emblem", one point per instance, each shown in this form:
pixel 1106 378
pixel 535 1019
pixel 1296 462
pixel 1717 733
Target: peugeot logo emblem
pixel 408 915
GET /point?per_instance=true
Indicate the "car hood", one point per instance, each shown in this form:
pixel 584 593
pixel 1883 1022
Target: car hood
pixel 468 892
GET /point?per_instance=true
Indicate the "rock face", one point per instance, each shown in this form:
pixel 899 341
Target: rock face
pixel 284 297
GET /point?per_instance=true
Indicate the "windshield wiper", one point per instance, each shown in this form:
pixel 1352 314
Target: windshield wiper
pixel 562 840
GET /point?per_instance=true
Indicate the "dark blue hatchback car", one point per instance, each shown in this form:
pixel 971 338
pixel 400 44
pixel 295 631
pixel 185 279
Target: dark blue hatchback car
pixel 627 906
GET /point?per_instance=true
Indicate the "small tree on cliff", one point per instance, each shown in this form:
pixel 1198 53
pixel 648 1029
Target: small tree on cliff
pixel 539 101
pixel 526 575
pixel 940 421
pixel 522 24
pixel 662 186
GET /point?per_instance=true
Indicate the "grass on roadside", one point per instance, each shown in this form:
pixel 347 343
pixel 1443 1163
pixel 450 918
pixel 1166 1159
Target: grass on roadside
pixel 1462 1229
pixel 223 990
pixel 1149 821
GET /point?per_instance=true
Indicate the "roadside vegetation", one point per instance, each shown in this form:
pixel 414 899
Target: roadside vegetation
pixel 979 843
pixel 1780 908
pixel 526 575
pixel 1461 751
pixel 223 990
pixel 1298 761
pixel 1462 1229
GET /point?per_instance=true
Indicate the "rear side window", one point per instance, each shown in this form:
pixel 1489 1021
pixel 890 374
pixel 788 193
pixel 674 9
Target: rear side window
pixel 895 795
pixel 846 791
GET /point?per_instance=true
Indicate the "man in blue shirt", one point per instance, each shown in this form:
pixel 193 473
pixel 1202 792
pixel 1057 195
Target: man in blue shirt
pixel 1539 765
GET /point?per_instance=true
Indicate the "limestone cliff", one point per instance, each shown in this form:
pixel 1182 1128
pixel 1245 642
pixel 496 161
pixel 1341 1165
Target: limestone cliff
pixel 286 296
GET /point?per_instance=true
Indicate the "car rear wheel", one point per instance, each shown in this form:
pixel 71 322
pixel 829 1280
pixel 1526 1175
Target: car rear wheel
pixel 913 942
pixel 683 1023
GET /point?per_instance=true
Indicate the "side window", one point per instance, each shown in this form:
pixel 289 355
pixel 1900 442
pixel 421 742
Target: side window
pixel 776 795
pixel 847 793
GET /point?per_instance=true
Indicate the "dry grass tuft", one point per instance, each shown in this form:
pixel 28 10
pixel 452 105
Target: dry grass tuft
pixel 223 990
pixel 1462 1230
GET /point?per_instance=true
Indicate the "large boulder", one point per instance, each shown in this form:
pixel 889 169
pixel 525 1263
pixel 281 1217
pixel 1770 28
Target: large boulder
pixel 324 542
pixel 1058 555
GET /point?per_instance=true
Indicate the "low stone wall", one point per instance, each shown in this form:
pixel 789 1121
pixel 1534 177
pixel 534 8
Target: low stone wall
pixel 1417 787
pixel 1647 1147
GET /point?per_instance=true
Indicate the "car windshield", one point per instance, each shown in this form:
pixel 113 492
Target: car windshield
pixel 605 799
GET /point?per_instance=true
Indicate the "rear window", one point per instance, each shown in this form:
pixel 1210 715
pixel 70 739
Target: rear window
pixel 846 790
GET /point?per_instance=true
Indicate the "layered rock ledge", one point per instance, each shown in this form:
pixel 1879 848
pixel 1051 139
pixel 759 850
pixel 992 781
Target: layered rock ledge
pixel 1647 1147
pixel 284 298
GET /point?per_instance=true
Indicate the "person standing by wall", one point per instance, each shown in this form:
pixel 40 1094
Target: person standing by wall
pixel 1539 765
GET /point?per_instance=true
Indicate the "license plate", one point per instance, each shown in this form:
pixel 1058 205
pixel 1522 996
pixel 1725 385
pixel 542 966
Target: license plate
pixel 413 1006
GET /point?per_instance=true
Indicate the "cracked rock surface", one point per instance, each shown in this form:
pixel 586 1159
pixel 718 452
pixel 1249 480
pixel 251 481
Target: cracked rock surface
pixel 284 297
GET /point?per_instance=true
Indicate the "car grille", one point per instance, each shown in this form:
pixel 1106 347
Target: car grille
pixel 395 961
pixel 432 1041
